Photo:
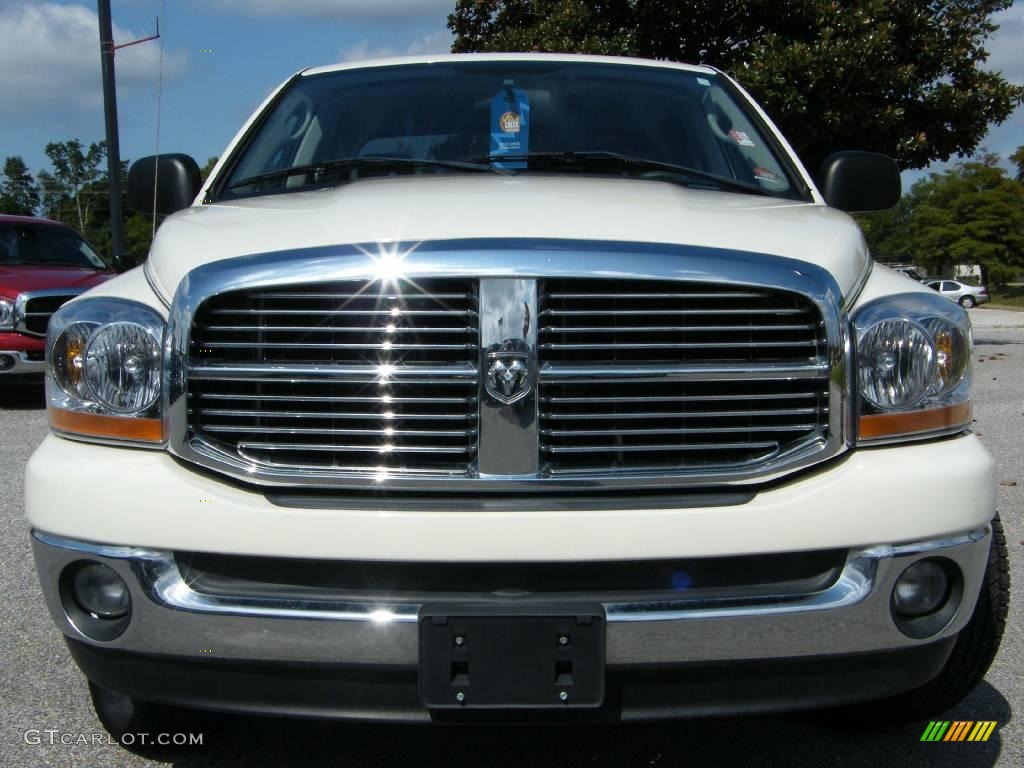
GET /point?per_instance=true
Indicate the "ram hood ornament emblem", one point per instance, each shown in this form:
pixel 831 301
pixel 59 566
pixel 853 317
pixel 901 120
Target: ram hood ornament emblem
pixel 509 377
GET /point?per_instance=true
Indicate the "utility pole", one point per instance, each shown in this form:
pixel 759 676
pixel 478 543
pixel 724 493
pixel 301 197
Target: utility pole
pixel 110 117
pixel 107 50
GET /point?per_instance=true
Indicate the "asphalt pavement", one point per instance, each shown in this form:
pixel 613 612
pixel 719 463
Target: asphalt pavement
pixel 41 690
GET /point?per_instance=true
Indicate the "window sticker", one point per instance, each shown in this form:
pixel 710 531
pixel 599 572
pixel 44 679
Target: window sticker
pixel 703 81
pixel 766 176
pixel 510 125
pixel 741 138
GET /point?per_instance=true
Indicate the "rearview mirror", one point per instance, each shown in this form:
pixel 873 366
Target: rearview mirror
pixel 177 183
pixel 858 182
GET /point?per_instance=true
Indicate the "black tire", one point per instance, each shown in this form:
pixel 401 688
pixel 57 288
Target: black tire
pixel 975 648
pixel 967 302
pixel 121 714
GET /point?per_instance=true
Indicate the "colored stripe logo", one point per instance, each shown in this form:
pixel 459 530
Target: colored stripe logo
pixel 958 730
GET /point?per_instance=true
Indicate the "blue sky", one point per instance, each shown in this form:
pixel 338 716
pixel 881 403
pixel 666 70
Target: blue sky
pixel 222 57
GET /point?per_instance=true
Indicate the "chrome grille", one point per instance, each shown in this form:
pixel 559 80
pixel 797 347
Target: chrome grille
pixel 339 376
pixel 666 375
pixel 320 368
pixel 35 313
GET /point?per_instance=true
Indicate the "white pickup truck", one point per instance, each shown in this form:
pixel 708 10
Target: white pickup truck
pixel 495 386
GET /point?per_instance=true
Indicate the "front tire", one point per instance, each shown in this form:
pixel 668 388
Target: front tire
pixel 975 648
pixel 121 714
pixel 967 302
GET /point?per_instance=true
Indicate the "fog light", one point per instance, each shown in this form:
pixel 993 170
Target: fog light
pixel 921 589
pixel 6 362
pixel 100 592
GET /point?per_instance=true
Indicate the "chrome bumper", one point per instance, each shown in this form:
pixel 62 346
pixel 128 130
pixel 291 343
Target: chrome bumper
pixel 851 616
pixel 19 363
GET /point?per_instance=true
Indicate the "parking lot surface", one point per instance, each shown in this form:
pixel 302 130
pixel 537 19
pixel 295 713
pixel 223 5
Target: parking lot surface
pixel 41 690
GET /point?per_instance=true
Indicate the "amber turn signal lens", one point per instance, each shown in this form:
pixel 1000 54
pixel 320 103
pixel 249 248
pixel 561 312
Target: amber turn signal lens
pixel 116 427
pixel 910 422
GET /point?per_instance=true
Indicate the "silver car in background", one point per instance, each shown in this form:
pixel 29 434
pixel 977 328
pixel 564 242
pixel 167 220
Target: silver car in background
pixel 965 295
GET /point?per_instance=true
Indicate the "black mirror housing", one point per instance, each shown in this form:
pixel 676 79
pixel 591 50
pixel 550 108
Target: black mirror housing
pixel 124 262
pixel 858 182
pixel 177 177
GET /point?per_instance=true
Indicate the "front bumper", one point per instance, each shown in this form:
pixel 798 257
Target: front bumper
pixel 21 355
pixel 19 363
pixel 667 655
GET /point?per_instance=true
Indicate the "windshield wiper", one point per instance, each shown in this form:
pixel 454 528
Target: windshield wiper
pixel 375 162
pixel 607 159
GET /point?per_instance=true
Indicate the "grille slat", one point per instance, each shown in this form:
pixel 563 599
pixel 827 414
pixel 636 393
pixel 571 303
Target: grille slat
pixel 712 430
pixel 686 372
pixel 674 328
pixel 383 346
pixel 386 399
pixel 406 374
pixel 351 448
pixel 350 312
pixel 646 312
pixel 331 386
pixel 636 374
pixel 389 433
pixel 322 329
pixel 677 414
pixel 683 345
pixel 39 309
pixel 653 447
pixel 675 398
pixel 329 415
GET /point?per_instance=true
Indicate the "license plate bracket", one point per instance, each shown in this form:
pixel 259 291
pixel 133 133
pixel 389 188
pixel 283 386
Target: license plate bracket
pixel 495 660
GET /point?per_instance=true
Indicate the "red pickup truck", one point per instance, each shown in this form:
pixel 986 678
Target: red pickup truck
pixel 43 264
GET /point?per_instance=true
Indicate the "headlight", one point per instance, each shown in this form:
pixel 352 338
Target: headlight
pixel 913 367
pixel 6 315
pixel 104 358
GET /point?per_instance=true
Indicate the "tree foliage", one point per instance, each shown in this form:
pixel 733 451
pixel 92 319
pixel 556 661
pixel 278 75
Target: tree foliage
pixel 77 193
pixel 1017 158
pixel 900 77
pixel 19 192
pixel 70 191
pixel 970 214
pixel 207 169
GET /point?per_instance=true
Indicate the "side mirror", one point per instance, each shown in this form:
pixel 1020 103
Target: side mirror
pixel 858 182
pixel 124 262
pixel 177 177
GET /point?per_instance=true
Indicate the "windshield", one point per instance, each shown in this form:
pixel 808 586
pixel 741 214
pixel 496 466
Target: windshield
pixel 45 245
pixel 524 116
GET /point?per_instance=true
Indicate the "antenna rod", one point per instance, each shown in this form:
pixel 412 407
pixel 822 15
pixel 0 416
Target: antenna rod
pixel 110 117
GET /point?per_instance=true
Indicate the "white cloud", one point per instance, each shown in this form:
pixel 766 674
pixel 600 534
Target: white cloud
pixel 435 42
pixel 366 10
pixel 50 58
pixel 1006 45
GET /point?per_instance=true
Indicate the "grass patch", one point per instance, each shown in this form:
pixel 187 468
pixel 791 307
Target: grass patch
pixel 1007 297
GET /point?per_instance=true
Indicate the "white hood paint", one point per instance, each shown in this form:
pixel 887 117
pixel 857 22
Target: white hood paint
pixel 446 207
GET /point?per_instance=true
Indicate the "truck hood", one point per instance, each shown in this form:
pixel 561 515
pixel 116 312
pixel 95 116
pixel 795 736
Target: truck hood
pixel 15 279
pixel 444 207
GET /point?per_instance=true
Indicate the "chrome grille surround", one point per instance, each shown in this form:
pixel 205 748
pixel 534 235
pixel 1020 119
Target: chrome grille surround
pixel 515 263
pixel 33 309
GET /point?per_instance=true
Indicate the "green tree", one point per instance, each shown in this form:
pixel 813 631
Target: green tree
pixel 72 190
pixel 207 169
pixel 826 70
pixel 19 192
pixel 1017 158
pixel 970 214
